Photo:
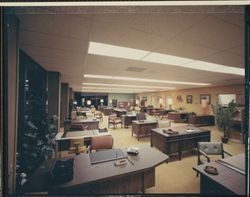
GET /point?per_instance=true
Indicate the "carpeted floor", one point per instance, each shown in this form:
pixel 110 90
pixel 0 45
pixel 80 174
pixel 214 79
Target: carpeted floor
pixel 175 176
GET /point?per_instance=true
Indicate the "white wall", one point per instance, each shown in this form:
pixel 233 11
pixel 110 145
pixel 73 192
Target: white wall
pixel 121 97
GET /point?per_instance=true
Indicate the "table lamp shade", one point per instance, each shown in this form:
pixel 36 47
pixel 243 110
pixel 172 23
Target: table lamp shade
pixel 170 101
pixel 88 102
pixel 101 100
pixel 160 100
pixel 203 103
pixel 137 102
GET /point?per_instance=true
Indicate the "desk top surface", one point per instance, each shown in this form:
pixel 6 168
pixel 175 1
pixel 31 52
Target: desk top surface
pixel 182 130
pixel 183 112
pixel 85 173
pixel 142 122
pixel 236 162
pixel 80 134
pixel 227 177
pixel 120 110
pixel 85 120
pixel 129 115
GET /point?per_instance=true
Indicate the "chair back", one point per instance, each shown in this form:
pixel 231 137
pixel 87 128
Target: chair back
pixel 163 123
pixel 141 116
pixel 101 142
pixel 211 148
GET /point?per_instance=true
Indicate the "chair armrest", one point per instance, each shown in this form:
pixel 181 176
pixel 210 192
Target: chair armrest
pixel 227 153
pixel 205 155
pixel 88 149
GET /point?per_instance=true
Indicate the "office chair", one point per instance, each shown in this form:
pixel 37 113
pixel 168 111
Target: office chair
pixel 77 147
pixel 208 149
pixel 98 115
pixel 114 120
pixel 141 116
pixel 101 143
pixel 163 123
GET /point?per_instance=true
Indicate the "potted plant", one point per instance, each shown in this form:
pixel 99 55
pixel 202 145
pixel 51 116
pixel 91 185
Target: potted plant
pixel 223 116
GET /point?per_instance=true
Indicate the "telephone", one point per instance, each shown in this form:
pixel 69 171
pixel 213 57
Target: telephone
pixel 62 170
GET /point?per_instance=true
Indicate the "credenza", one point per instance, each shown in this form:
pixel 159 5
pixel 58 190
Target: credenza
pixel 178 117
pixel 201 120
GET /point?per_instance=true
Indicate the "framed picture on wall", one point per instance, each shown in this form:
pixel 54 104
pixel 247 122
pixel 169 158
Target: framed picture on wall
pixel 206 97
pixel 189 99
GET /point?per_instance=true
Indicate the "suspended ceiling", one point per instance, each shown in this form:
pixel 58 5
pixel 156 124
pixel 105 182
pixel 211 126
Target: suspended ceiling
pixel 58 39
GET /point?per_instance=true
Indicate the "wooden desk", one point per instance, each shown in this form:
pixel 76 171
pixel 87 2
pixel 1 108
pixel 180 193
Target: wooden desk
pixel 63 143
pixel 127 119
pixel 101 178
pixel 178 117
pixel 120 112
pixel 108 110
pixel 201 120
pixel 177 143
pixel 91 123
pixel 229 182
pixel 143 128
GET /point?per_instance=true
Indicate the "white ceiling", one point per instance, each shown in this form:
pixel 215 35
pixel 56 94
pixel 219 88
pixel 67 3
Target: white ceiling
pixel 59 42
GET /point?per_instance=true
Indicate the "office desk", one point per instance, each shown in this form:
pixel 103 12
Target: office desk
pixel 229 182
pixel 143 128
pixel 178 117
pixel 91 123
pixel 201 120
pixel 101 178
pixel 127 119
pixel 107 110
pixel 63 142
pixel 177 143
pixel 119 112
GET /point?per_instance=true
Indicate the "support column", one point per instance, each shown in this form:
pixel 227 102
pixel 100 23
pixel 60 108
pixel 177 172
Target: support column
pixel 64 102
pixel 11 67
pixel 53 94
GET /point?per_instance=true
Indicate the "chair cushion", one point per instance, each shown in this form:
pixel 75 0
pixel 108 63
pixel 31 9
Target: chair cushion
pixel 211 147
pixel 164 123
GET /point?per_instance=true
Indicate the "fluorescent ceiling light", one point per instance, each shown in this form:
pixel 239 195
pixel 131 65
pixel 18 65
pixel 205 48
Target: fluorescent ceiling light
pixel 115 51
pixel 150 56
pixel 165 59
pixel 143 80
pixel 105 88
pixel 132 86
pixel 206 66
pixel 110 91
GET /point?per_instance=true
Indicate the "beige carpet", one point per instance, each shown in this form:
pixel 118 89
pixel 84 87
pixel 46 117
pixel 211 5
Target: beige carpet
pixel 175 176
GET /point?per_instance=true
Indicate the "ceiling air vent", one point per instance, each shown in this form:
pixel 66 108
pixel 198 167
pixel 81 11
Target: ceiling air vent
pixel 135 69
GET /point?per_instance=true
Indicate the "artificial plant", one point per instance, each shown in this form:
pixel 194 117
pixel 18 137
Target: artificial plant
pixel 223 116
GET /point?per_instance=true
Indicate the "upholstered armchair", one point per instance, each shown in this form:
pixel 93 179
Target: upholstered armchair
pixel 114 121
pixel 101 143
pixel 209 150
pixel 141 116
pixel 163 123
